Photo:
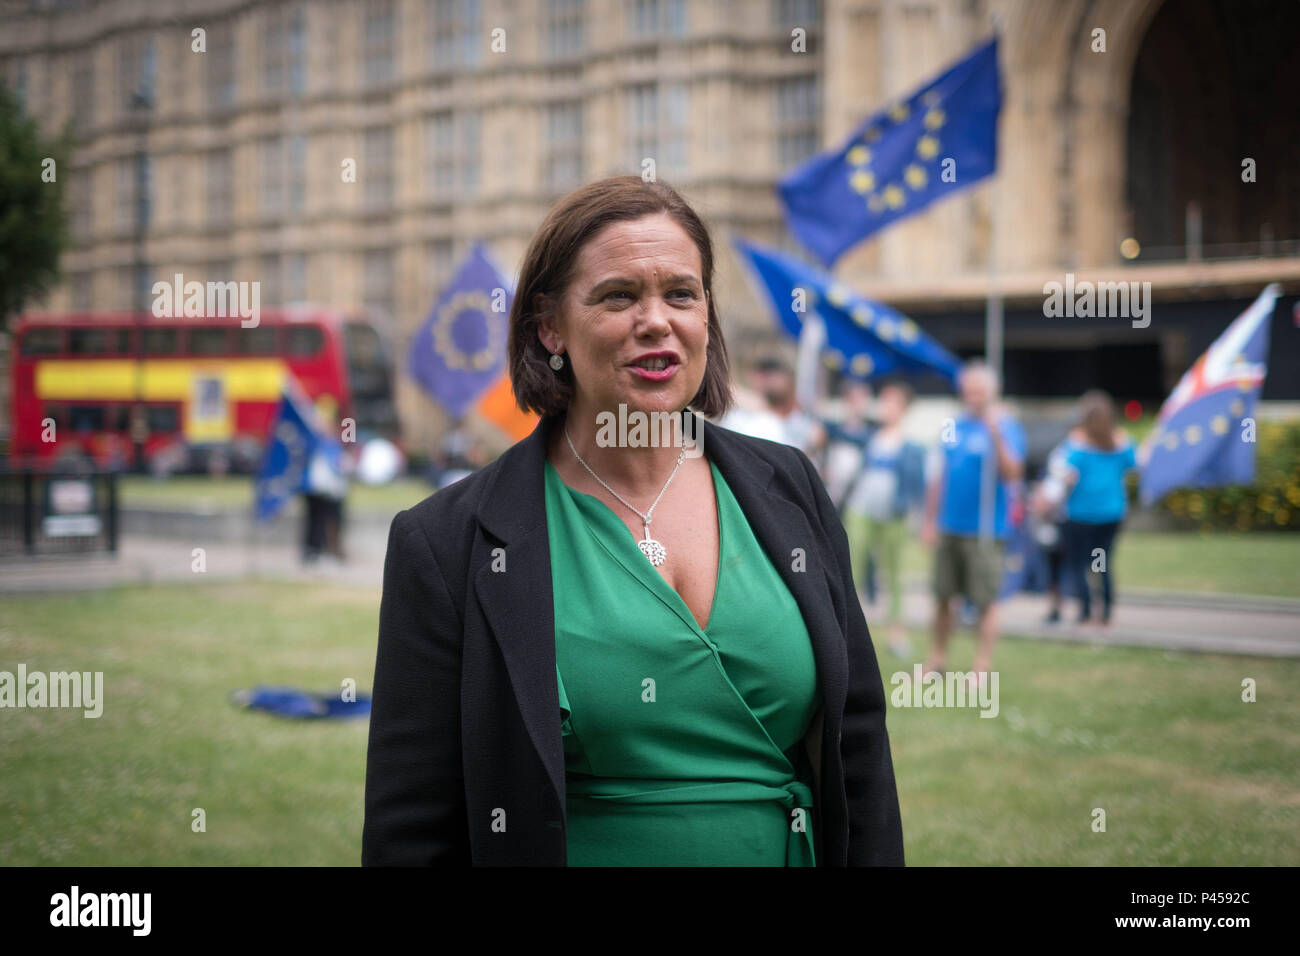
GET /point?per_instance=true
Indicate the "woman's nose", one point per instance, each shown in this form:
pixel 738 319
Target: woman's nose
pixel 654 314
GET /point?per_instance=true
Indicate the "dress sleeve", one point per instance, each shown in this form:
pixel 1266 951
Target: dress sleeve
pixel 875 825
pixel 415 794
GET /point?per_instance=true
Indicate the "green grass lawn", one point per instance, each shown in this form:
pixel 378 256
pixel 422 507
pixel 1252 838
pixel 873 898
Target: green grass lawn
pixel 1186 772
pixel 121 788
pixel 183 492
pixel 1222 562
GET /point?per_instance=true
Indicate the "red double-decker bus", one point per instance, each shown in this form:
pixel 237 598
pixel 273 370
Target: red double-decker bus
pixel 109 386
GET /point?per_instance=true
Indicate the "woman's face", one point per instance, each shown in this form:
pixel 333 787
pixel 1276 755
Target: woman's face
pixel 634 322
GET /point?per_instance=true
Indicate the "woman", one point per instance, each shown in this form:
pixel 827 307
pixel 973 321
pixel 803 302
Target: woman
pixel 626 655
pixel 1097 456
pixel 1047 516
pixel 890 486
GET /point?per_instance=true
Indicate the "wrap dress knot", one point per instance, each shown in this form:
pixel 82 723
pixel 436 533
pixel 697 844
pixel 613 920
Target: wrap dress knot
pixel 682 745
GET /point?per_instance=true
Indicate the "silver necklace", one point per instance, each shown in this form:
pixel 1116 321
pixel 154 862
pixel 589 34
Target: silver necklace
pixel 652 549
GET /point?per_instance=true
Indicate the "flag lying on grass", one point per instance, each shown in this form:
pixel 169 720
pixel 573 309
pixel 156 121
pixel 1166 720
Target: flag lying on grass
pixel 300 704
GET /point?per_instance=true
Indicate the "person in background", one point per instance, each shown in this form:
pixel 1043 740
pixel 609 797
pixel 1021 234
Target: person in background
pixel 1048 516
pixel 750 414
pixel 890 487
pixel 966 563
pixel 1097 456
pixel 774 380
pixel 347 461
pixel 770 409
pixel 846 442
pixel 314 518
pixel 845 452
pixel 327 487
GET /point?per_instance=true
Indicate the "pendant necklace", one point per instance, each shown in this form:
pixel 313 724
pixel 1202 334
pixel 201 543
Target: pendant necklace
pixel 652 549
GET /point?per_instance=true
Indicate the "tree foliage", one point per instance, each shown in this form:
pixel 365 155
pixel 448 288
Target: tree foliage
pixel 33 221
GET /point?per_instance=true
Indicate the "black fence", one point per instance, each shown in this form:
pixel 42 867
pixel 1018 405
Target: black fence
pixel 57 509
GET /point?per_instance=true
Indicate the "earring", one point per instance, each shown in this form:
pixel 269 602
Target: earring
pixel 557 361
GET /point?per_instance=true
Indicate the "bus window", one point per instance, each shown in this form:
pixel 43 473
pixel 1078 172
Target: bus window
pixel 119 418
pixel 59 413
pixel 367 363
pixel 92 341
pixel 159 341
pixel 369 378
pixel 87 418
pixel 256 341
pixel 164 418
pixel 209 341
pixel 303 340
pixel 42 342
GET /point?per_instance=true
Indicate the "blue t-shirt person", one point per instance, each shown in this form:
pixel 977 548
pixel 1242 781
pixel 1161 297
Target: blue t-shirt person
pixel 962 461
pixel 1098 496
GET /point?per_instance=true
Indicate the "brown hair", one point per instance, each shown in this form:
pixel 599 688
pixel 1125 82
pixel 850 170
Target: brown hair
pixel 548 269
pixel 1097 419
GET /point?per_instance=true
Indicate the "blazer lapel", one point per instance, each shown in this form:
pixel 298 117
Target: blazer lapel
pixel 518 602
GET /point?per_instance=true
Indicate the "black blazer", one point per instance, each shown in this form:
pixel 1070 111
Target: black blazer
pixel 465 762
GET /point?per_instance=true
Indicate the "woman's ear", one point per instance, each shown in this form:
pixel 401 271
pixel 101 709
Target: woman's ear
pixel 547 321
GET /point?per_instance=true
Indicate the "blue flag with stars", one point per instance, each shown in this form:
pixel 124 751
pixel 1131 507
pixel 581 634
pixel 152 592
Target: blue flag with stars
pixel 864 338
pixel 941 138
pixel 1205 432
pixel 296 435
pixel 461 349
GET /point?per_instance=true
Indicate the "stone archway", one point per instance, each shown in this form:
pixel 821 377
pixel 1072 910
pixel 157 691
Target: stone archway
pixel 1183 92
pixel 1071 104
pixel 1213 86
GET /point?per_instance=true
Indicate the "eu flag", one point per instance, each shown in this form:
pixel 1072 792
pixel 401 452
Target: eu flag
pixel 864 338
pixel 295 437
pixel 941 138
pixel 1202 438
pixel 461 349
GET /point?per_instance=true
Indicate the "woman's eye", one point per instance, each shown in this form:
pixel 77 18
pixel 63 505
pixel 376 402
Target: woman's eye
pixel 683 293
pixel 613 294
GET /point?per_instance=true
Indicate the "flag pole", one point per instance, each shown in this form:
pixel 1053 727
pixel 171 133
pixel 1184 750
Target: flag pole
pixel 993 356
pixel 992 339
pixel 812 338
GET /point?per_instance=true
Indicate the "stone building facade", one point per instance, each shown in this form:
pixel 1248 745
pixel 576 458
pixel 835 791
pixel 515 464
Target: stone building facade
pixel 212 138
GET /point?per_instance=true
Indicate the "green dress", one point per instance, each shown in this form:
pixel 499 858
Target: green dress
pixel 682 746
